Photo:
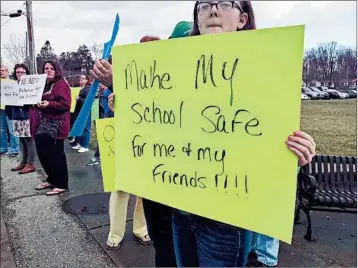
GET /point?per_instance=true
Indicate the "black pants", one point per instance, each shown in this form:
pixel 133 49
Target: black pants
pixel 53 160
pixel 159 223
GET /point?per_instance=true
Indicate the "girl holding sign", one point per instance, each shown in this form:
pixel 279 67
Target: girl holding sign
pixel 50 126
pixel 200 241
pixel 21 127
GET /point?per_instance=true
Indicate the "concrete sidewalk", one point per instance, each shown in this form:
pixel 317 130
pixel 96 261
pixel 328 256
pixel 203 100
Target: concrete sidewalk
pixel 39 232
pixel 42 233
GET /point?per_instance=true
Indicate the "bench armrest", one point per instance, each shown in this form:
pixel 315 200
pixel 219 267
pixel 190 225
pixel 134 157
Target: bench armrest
pixel 307 184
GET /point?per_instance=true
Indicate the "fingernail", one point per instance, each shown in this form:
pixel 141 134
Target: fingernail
pixel 296 133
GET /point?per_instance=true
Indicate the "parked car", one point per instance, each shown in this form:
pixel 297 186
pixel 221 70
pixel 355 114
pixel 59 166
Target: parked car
pixel 352 93
pixel 333 94
pixel 324 94
pixel 304 97
pixel 343 95
pixel 313 95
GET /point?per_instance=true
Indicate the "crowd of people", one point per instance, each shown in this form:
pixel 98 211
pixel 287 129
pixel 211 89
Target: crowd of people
pixel 179 238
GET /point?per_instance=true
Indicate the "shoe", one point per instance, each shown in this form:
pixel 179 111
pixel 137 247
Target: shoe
pixel 27 169
pixel 77 147
pixel 83 150
pixel 4 153
pixel 257 264
pixel 14 154
pixel 93 161
pixel 70 140
pixel 19 167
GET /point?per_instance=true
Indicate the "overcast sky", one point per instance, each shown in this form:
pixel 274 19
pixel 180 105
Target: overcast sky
pixel 68 24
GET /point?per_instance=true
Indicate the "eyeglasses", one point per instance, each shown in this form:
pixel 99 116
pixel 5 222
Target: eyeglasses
pixel 205 7
pixel 20 72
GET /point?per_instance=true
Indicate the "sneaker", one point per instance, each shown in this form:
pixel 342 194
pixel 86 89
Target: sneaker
pixel 4 153
pixel 70 140
pixel 83 150
pixel 14 154
pixel 93 161
pixel 77 147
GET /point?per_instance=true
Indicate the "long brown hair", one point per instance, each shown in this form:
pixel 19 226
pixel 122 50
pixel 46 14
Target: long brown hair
pixel 246 7
pixel 58 74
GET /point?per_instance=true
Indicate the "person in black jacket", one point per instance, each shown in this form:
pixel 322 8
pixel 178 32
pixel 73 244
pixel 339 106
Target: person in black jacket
pixel 21 127
pixel 82 142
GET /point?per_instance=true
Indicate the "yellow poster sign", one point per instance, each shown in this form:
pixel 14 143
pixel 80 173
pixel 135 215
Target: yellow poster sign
pixel 74 93
pixel 204 122
pixel 106 143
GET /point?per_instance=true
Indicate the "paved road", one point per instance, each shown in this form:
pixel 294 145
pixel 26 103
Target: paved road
pixel 42 233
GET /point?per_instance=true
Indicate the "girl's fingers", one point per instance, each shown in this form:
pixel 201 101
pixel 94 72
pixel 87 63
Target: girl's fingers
pixel 304 142
pixel 100 67
pixel 92 73
pixel 106 64
pixel 305 136
pixel 98 73
pixel 302 149
pixel 301 158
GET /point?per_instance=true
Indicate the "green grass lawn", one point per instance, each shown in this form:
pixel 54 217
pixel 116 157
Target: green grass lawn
pixel 333 125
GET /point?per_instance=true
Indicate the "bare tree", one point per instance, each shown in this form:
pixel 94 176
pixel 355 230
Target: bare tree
pixel 330 61
pixel 97 51
pixel 15 49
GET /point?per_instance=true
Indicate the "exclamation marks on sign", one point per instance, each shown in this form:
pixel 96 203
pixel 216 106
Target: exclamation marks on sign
pixel 246 187
pixel 216 181
pixel 225 184
pixel 231 184
pixel 237 185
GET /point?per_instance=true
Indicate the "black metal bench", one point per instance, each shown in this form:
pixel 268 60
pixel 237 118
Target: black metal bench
pixel 328 183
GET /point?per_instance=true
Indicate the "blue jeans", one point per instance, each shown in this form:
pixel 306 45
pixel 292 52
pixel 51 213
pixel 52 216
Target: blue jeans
pixel 266 248
pixel 85 139
pixel 3 133
pixel 14 141
pixel 201 242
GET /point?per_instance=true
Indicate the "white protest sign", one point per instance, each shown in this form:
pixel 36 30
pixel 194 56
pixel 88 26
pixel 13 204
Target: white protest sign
pixel 9 92
pixel 31 88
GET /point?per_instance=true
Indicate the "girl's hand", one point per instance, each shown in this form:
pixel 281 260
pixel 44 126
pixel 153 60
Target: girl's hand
pixel 302 145
pixel 43 104
pixel 111 101
pixel 77 98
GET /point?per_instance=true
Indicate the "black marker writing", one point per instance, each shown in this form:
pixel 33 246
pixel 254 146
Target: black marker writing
pixel 108 136
pixel 138 150
pixel 143 80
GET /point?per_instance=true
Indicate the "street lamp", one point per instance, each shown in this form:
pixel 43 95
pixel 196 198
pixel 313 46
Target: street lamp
pixel 30 33
pixel 15 15
pixel 330 74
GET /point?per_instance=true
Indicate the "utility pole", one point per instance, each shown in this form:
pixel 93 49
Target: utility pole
pixel 30 32
pixel 27 46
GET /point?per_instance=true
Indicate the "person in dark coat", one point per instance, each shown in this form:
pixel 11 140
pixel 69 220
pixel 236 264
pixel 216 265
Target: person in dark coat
pixel 21 128
pixel 82 142
pixel 55 105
